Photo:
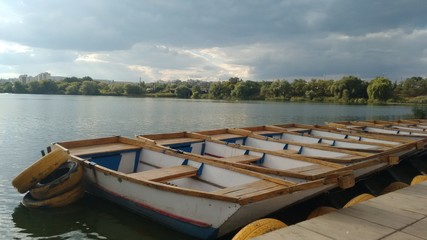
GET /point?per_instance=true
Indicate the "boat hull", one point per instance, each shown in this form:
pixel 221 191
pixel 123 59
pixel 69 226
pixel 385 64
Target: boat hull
pixel 196 216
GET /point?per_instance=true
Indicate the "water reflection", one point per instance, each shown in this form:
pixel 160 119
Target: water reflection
pixel 90 218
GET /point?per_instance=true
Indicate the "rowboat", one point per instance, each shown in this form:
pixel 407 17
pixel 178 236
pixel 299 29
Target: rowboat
pixel 275 163
pixel 192 194
pixel 227 143
pixel 355 141
pixel 382 127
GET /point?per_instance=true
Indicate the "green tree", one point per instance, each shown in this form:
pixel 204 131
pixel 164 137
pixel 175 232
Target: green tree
pixel 89 88
pixel 246 90
pixel 413 87
pixel 182 91
pixel 133 89
pixel 220 90
pixel 349 87
pixel 317 89
pixel 8 87
pixel 279 89
pixel 380 89
pixel 299 87
pixel 19 87
pixel 73 88
pixel 196 92
pixel 48 87
pixel 34 87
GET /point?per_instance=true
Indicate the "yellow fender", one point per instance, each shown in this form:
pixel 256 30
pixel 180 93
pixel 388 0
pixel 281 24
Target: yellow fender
pixel 393 187
pixel 258 228
pixel 60 181
pixel 418 179
pixel 59 201
pixel 320 211
pixel 39 170
pixel 358 199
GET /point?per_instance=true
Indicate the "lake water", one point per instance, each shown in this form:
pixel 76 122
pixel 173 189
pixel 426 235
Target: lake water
pixel 29 123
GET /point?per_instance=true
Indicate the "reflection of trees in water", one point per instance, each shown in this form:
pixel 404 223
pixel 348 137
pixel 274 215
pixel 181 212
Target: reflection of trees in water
pixel 90 218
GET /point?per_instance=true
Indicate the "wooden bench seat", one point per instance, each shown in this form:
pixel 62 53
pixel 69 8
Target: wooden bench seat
pixel 241 159
pixel 173 141
pixel 266 132
pixel 225 136
pixel 166 173
pixel 102 148
pixel 249 189
pixel 313 170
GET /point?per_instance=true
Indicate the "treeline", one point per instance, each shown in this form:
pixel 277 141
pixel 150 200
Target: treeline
pixel 349 89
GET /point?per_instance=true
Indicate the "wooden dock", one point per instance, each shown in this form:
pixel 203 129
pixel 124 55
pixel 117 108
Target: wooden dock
pixel 398 215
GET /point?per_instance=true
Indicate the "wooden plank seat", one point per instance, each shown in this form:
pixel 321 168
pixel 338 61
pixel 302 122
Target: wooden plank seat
pixel 241 159
pixel 173 141
pixel 249 189
pixel 266 132
pixel 225 136
pixel 314 169
pixel 166 173
pixel 102 148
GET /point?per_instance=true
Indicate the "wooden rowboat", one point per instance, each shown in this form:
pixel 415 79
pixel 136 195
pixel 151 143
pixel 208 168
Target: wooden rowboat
pixel 290 157
pixel 383 128
pixel 192 194
pixel 274 163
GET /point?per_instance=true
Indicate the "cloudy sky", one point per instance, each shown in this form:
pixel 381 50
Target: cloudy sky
pixel 214 39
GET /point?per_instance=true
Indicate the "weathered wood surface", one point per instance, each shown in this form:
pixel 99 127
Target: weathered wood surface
pixel 398 215
pixel 102 148
pixel 166 173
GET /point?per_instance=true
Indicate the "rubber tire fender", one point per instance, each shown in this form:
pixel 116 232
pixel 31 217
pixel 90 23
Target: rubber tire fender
pixel 64 178
pixel 39 170
pixel 358 199
pixel 59 201
pixel 258 228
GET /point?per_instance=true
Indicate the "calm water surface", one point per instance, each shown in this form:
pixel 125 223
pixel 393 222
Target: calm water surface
pixel 29 123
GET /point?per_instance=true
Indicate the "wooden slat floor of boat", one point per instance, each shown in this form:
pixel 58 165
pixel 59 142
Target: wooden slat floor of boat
pixel 166 173
pixel 249 189
pixel 172 141
pixel 401 214
pixel 101 148
pixel 314 169
pixel 241 159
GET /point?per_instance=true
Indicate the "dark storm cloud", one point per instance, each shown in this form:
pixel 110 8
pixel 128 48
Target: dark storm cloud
pixel 219 39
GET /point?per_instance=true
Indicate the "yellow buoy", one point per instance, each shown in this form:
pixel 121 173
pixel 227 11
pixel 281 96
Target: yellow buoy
pixel 418 179
pixel 258 228
pixel 320 211
pixel 358 199
pixel 393 187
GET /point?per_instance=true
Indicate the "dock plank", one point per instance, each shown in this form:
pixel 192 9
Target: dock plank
pixel 381 216
pixel 401 214
pixel 401 235
pixel 418 229
pixel 341 226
